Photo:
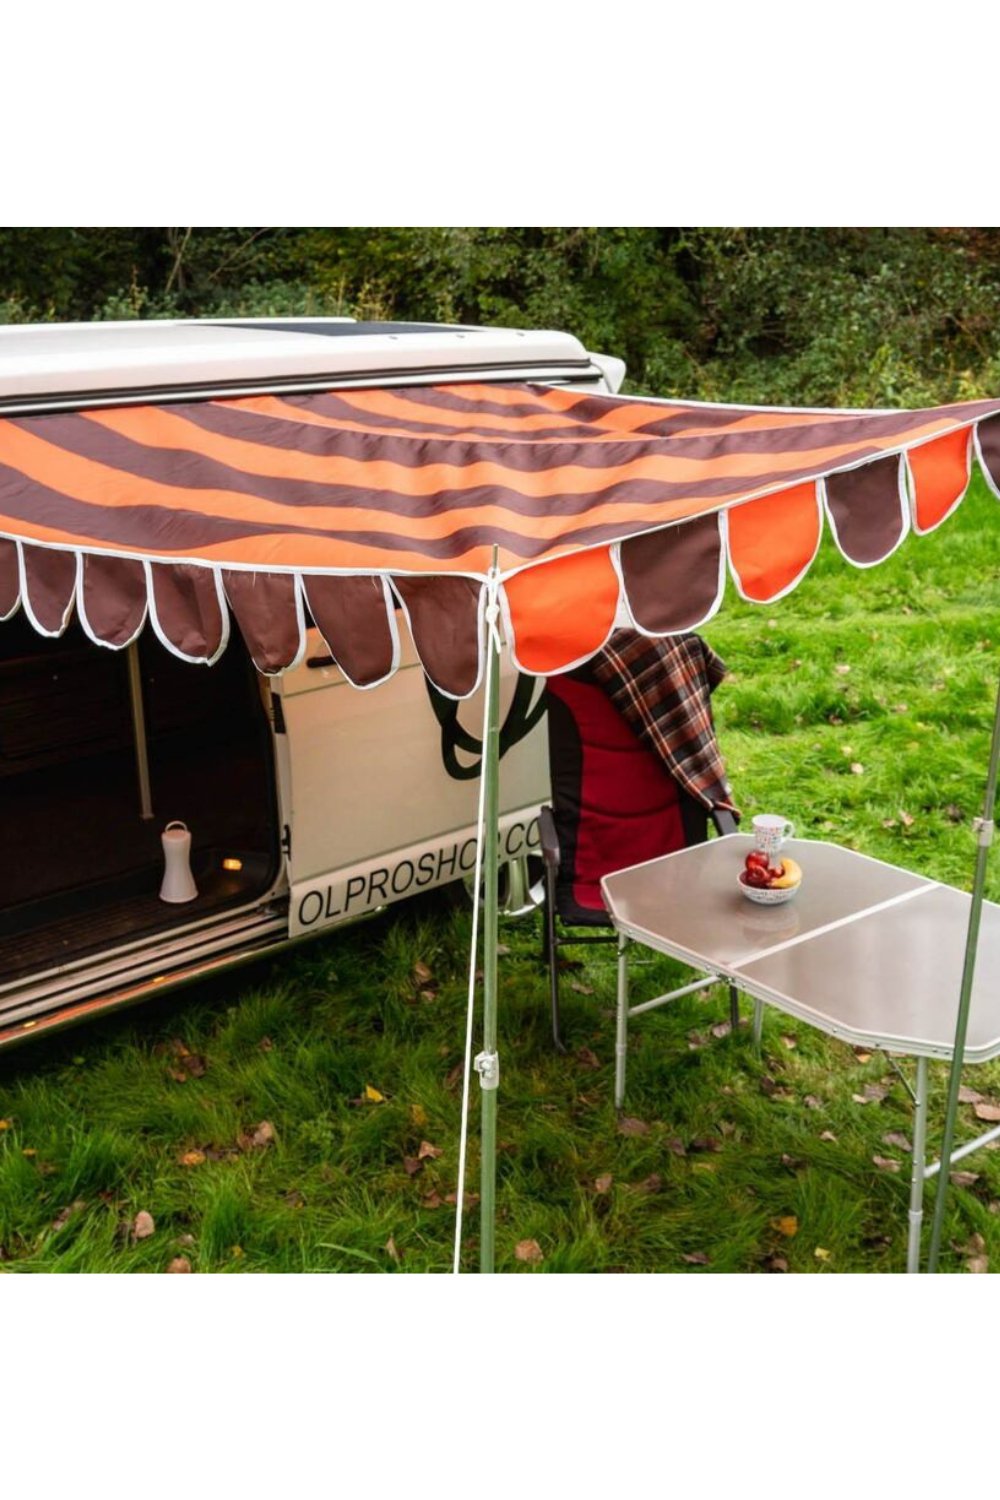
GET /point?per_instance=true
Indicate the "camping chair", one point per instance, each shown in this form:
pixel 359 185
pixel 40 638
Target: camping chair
pixel 614 804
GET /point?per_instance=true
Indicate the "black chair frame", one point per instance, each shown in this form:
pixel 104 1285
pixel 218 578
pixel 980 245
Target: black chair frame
pixel 553 940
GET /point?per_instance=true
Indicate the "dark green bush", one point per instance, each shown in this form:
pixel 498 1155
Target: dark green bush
pixel 814 316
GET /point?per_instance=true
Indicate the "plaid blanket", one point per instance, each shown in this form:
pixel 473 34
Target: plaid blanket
pixel 662 688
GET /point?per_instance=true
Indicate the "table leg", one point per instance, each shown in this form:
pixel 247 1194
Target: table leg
pixel 621 1035
pixel 917 1171
pixel 734 1008
pixel 758 1023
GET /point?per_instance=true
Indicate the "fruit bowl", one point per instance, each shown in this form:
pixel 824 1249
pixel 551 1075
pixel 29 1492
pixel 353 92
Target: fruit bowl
pixel 765 895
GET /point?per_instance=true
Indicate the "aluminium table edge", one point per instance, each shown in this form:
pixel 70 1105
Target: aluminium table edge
pixel 878 1040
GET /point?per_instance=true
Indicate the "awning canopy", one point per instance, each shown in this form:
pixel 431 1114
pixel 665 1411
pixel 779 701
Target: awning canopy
pixel 337 506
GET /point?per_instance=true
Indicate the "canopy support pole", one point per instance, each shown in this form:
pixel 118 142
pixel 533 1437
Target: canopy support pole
pixel 984 831
pixel 488 1062
pixel 139 731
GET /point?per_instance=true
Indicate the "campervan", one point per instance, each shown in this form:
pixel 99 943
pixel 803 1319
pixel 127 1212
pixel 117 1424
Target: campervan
pixel 309 804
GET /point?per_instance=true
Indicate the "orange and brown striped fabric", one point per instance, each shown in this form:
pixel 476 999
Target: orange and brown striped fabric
pixel 341 504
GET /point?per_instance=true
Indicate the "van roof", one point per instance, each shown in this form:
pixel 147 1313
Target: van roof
pixel 45 364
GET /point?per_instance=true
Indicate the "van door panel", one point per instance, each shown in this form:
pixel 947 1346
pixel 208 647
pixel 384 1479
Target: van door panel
pixel 366 789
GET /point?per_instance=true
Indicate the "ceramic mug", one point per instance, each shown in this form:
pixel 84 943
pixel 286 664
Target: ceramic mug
pixel 770 832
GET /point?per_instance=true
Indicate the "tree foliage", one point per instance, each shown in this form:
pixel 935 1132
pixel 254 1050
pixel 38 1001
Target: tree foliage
pixel 815 316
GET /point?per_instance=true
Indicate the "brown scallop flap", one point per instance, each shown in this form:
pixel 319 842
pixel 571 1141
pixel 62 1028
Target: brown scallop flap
pixel 352 615
pixel 10 579
pixel 112 603
pixel 674 578
pixel 269 613
pixel 49 586
pixel 443 614
pixel 868 510
pixel 188 611
pixel 988 446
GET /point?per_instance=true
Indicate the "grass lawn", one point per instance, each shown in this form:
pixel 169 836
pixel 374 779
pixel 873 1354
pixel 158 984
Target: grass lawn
pixel 304 1116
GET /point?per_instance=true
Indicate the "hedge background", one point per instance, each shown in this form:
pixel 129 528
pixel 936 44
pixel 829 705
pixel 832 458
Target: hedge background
pixel 812 316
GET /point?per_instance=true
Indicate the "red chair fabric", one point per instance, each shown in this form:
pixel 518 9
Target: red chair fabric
pixel 614 803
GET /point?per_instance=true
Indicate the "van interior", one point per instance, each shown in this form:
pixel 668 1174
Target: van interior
pixel 80 866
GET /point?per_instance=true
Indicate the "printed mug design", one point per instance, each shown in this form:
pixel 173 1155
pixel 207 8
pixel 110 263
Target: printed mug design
pixel 771 831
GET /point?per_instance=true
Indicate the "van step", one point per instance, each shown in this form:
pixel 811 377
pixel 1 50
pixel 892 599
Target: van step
pixel 102 925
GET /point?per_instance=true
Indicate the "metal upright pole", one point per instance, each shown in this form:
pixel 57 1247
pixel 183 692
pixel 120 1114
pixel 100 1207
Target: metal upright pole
pixel 139 730
pixel 984 829
pixel 488 1062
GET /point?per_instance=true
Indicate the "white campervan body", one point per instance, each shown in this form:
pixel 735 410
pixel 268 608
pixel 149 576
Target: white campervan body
pixel 310 803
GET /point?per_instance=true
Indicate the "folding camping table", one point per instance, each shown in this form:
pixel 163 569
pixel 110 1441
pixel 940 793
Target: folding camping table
pixel 865 951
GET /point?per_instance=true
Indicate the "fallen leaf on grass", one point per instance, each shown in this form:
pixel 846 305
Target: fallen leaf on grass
pixel 372 1095
pixel 651 1184
pixel 529 1251
pixel 987 1110
pixel 906 819
pixel 896 1138
pixel 603 1183
pixel 586 1058
pixel 263 1134
pixel 977 1263
pixel 811 1102
pixel 391 1250
pixel 237 1252
pixel 706 1143
pixel 789 1041
pixel 418 1115
pixel 788 1225
pixel 827 1135
pixel 677 1146
pixel 422 973
pixel 722 1028
pixel 963 1179
pixel 432 1199
pixel 143 1225
pixel 192 1158
pixel 29 1151
pixel 873 1093
pixel 293 1199
pixel 861 1055
pixel 775 1263
pixel 427 1150
pixel 857 769
pixel 841 668
pixel 581 989
pixel 628 1126
pixel 696 1258
pixel 968 1096
pixel 469 1200
pixel 4 1124
pixel 696 1040
pixel 265 1044
pixel 412 1165
pixel 793 1163
pixel 63 1217
pixel 179 1266
pixel 822 1254
pixel 886 1163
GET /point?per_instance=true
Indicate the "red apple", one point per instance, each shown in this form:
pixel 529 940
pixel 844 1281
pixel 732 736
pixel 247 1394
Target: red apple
pixel 775 872
pixel 757 857
pixel 756 875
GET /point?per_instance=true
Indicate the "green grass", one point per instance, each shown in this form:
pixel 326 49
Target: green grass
pixel 105 1124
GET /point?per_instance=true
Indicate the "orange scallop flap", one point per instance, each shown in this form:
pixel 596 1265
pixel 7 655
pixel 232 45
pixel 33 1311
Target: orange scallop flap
pixel 562 612
pixel 940 474
pixel 773 540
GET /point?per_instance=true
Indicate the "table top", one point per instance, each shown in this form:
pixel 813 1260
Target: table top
pixel 864 950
